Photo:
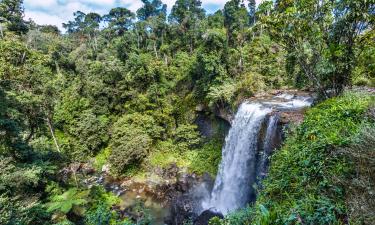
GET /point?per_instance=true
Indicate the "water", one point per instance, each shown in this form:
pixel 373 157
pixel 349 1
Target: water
pixel 252 138
pixel 134 196
pixel 232 188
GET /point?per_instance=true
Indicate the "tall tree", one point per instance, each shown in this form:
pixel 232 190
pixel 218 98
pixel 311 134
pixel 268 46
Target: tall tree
pixel 187 13
pixel 77 24
pixel 119 20
pixel 152 23
pixel 235 20
pixel 252 10
pixel 320 38
pixel 151 8
pixel 11 12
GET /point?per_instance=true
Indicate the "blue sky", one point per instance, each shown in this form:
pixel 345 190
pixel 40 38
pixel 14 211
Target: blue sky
pixel 57 12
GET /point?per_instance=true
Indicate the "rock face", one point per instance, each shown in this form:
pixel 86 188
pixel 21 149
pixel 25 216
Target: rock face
pixel 187 206
pixel 205 217
pixel 210 125
pixel 181 211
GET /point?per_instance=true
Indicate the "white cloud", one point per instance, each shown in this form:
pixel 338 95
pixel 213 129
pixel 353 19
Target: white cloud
pixel 41 3
pixel 43 18
pixel 133 5
pixel 56 12
pixel 102 3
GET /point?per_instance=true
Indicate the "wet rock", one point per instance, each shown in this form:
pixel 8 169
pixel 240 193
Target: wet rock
pixel 105 169
pixel 181 211
pixel 205 217
pixel 295 117
pixel 209 124
pixel 171 172
pixel 127 183
pixel 86 169
pixel 224 113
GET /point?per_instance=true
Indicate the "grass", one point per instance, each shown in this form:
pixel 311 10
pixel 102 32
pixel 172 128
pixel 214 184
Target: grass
pixel 101 158
pixel 204 159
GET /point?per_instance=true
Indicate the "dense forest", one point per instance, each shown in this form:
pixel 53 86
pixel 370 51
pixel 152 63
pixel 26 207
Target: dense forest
pixel 123 92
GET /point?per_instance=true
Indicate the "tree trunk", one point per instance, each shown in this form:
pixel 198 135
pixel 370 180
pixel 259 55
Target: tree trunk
pixel 50 126
pixel 1 31
pixel 155 50
pixel 57 67
pixel 31 134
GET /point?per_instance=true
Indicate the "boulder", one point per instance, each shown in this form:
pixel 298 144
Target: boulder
pixel 205 217
pixel 181 211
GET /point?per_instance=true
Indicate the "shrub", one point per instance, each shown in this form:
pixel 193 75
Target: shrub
pixel 186 136
pixel 360 186
pixel 129 145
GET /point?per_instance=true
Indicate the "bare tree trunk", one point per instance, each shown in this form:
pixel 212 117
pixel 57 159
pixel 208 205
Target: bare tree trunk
pixel 1 31
pixel 57 67
pixel 30 135
pixel 191 46
pixel 155 50
pixel 165 59
pixel 49 123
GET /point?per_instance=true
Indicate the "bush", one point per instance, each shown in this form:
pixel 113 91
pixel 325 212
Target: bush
pixel 207 158
pixel 360 186
pixel 144 122
pixel 186 137
pixel 129 145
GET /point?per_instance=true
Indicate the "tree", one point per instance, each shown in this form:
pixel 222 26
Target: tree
pixel 320 39
pixel 252 10
pixel 49 29
pixel 187 13
pixel 151 23
pixel 92 22
pixel 11 12
pixel 26 73
pixel 186 137
pixel 216 20
pixel 235 20
pixel 129 144
pixel 77 25
pixel 119 20
pixel 210 67
pixel 151 8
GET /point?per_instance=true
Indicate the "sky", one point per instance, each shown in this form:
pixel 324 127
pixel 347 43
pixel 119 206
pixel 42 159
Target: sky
pixel 56 12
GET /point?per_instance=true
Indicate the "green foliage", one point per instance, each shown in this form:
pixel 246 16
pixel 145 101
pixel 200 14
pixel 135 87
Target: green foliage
pixel 200 160
pixel 303 180
pixel 207 158
pixel 127 94
pixel 359 185
pixel 69 200
pixel 364 71
pixel 186 137
pixel 130 143
pixel 100 210
pixel 101 158
pixel 11 12
pixel 119 19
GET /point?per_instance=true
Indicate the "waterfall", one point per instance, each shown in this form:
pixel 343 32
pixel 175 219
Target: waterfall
pixel 232 188
pixel 252 138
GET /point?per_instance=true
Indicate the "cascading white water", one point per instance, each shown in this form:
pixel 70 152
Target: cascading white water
pixel 271 141
pixel 233 183
pixel 249 143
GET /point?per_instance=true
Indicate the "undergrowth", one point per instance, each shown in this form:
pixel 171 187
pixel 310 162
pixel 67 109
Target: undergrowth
pixel 203 159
